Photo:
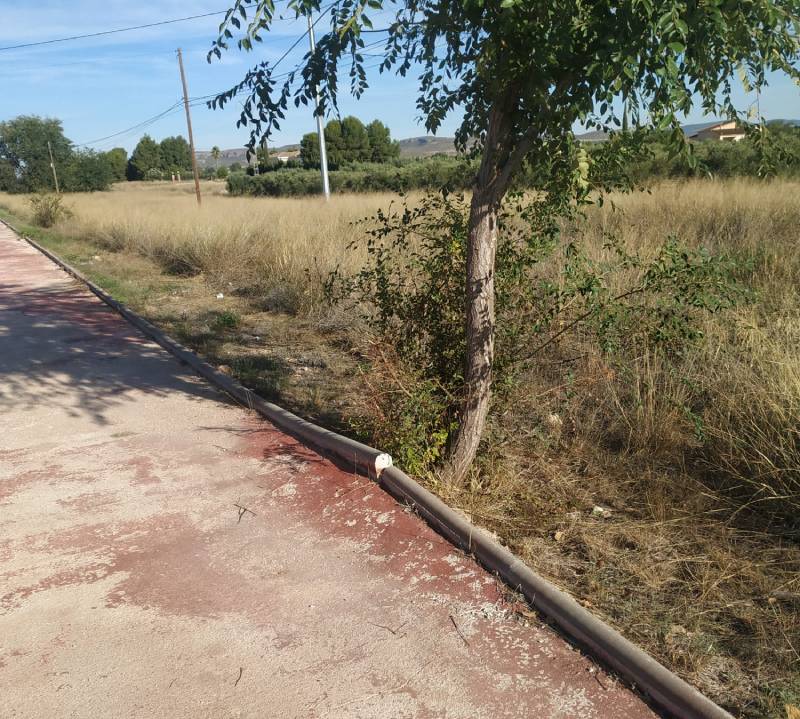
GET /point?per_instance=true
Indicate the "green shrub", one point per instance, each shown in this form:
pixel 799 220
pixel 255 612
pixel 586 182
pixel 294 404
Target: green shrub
pixel 764 152
pixel 226 320
pixel 428 174
pixel 87 172
pixel 411 293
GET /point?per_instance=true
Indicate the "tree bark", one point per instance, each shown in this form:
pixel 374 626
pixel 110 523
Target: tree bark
pixel 482 245
pixel 490 186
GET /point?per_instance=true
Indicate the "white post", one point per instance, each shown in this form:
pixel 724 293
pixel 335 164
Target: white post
pixel 323 154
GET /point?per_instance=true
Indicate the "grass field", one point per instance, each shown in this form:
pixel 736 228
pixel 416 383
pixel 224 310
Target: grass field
pixel 683 565
pixel 264 248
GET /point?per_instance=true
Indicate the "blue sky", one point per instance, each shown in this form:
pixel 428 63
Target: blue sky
pixel 100 86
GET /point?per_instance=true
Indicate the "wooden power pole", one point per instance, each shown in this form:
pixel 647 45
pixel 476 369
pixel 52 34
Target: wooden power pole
pixel 53 166
pixel 189 128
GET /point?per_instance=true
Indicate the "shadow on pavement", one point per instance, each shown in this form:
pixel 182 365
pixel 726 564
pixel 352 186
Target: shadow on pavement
pixel 56 340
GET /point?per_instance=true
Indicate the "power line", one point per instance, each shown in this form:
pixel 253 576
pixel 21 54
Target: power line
pixel 171 108
pixel 299 39
pixel 139 126
pixel 194 102
pixel 127 58
pixel 155 55
pixel 275 64
pixel 201 100
pixel 112 32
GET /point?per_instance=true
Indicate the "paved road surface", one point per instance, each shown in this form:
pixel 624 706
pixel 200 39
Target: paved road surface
pixel 130 586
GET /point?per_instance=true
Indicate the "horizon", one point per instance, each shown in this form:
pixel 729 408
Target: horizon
pixel 103 86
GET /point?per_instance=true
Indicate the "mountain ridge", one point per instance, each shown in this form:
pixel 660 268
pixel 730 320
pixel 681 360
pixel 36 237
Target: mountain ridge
pixel 410 147
pixel 422 146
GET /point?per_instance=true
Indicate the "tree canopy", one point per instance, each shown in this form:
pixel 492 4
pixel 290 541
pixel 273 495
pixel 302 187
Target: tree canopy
pixel 23 150
pixel 118 161
pixel 348 140
pixel 145 158
pixel 87 171
pixel 522 74
pixel 381 146
pixel 176 155
pixel 25 159
pixel 151 160
pixel 548 64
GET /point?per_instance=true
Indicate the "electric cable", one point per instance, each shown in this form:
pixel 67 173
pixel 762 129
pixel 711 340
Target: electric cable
pixel 111 32
pixel 139 126
pixel 202 99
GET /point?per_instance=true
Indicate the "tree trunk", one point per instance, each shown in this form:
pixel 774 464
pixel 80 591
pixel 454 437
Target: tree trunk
pixel 482 244
pixel 489 189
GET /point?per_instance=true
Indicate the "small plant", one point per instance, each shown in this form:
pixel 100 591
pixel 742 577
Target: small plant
pixel 407 413
pixel 226 320
pixel 48 209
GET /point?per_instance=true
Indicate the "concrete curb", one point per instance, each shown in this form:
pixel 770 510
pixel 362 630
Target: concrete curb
pixel 666 690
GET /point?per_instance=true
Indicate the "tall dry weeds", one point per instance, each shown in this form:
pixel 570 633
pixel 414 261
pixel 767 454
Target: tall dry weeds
pixel 740 395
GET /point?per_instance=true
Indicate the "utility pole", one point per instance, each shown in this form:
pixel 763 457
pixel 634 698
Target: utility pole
pixel 758 102
pixel 53 166
pixel 323 153
pixel 189 127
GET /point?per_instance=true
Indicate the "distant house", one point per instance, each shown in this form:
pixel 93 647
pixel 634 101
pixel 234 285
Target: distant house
pixel 286 155
pixel 720 131
pixel 717 130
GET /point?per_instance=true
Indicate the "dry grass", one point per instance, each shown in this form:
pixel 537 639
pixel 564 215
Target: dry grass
pixel 748 375
pixel 698 459
pixel 683 565
pixel 278 249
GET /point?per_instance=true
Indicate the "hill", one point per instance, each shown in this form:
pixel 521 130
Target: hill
pixel 236 154
pixel 427 145
pixel 411 147
pixel 226 158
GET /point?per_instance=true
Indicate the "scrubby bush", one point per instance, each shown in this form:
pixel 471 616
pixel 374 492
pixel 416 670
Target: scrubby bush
pixel 764 152
pixel 87 172
pixel 48 209
pixel 642 158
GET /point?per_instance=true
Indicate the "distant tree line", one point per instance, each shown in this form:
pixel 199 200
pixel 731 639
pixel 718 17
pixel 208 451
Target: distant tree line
pixel 430 173
pixel 361 158
pixel 771 151
pixel 25 160
pixel 643 157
